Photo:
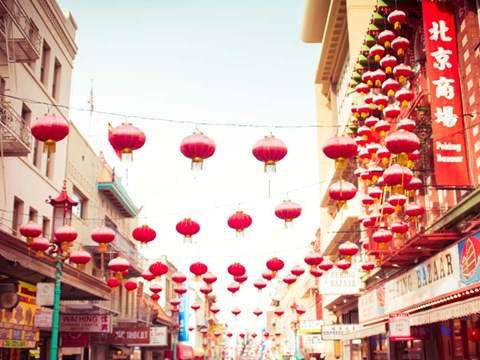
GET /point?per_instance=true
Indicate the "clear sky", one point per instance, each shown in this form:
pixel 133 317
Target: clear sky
pixel 237 63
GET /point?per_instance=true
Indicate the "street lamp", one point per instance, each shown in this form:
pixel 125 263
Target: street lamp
pixel 297 312
pixel 59 250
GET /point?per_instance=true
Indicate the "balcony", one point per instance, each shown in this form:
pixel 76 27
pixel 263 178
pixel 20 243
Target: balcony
pixel 123 247
pixel 15 135
pixel 19 37
pixel 115 192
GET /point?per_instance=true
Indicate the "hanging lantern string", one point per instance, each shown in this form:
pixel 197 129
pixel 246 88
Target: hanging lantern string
pixel 191 122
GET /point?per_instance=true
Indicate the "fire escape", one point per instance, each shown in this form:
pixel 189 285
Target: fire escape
pixel 20 42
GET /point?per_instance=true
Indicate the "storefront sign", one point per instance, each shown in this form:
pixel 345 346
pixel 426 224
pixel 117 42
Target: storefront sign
pixel 311 326
pixel 45 292
pixel 85 323
pixel 469 256
pixel 74 340
pixel 313 343
pixel 372 304
pixel 43 318
pixel 445 98
pixel 340 282
pixel 335 332
pixel 158 336
pixel 436 276
pixel 18 344
pixel 183 319
pixel 399 326
pixel 130 335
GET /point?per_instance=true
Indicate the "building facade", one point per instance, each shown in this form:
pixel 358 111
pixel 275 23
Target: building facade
pixel 416 238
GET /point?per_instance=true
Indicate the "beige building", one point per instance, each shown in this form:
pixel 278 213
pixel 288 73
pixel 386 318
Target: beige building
pixel 339 26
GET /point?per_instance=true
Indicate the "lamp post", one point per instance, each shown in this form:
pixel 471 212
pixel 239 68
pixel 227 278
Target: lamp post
pixel 59 250
pixel 297 312
pixel 175 325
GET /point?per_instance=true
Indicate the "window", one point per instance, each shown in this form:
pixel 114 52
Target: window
pixel 57 74
pixel 46 227
pixel 81 207
pixel 49 166
pixel 32 215
pixel 45 63
pixel 37 153
pixel 17 215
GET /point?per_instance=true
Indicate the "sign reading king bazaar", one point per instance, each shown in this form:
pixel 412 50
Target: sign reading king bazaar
pixel 442 68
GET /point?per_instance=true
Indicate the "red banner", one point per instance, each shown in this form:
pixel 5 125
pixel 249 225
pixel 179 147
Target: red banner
pixel 442 68
pixel 74 340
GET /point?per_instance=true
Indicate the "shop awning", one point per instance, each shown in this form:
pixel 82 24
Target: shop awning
pixel 450 311
pixel 367 331
pixel 184 352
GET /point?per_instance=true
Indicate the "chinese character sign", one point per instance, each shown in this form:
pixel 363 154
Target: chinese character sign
pixel 442 67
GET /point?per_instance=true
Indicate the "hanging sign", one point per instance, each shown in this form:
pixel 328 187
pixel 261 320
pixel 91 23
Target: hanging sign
pixel 340 282
pixel 85 323
pixel 399 326
pixel 445 101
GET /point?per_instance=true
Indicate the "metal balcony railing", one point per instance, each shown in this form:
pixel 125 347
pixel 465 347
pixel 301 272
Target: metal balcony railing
pixel 23 39
pixel 15 135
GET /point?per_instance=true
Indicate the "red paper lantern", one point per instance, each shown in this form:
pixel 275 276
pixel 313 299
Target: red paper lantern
pixel 147 275
pixel 268 275
pixel 158 269
pixel 402 72
pixel 401 143
pixel 390 86
pixel 175 302
pixel 236 269
pixel 316 272
pixel 49 129
pixel 197 147
pixel 381 101
pixel 233 287
pixel 113 283
pixel 385 37
pixel 313 259
pixel 191 328
pixel 300 310
pixel 103 236
pixel 400 45
pixel 204 331
pixel 214 309
pixel 206 289
pixel 125 139
pixel 414 211
pixel 240 278
pixel 399 228
pixel 289 279
pixel 239 222
pixel 179 278
pixel 404 96
pixel 397 175
pixel 362 88
pixel 217 333
pixel 39 245
pixel 278 311
pixel 257 312
pixel 406 124
pixel 275 265
pixel 266 335
pixel 391 112
pixel 348 249
pixel 155 288
pixel 229 334
pixel 376 51
pixel 288 211
pixel 397 18
pixel 195 306
pixel 144 234
pixel 388 62
pixel 326 265
pixel 80 258
pixel 343 264
pixel 378 77
pixel 65 235
pixel 130 286
pixel 368 266
pixel 209 278
pixel 179 290
pixel 236 311
pixel 382 236
pixel 242 335
pixel 342 191
pixel 269 150
pixel 340 148
pixel 198 269
pixel 187 227
pixel 260 284
pixel 155 297
pixel 30 230
pixel 367 78
pixel 118 265
pixel 297 270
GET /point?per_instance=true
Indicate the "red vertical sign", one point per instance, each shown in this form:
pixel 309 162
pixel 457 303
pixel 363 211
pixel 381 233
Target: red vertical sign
pixel 447 121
